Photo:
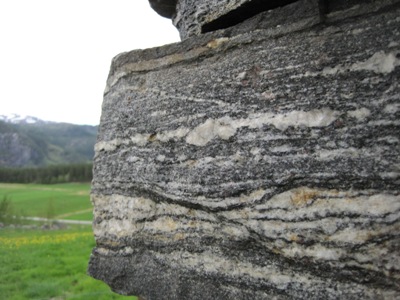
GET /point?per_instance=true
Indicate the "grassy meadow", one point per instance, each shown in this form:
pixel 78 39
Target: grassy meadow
pixel 58 201
pixel 49 264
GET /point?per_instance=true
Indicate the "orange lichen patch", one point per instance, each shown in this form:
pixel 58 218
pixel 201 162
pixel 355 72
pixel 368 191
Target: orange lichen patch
pixel 179 236
pixel 217 42
pixel 191 163
pixel 171 224
pixel 294 238
pixel 303 197
pixel 165 224
pixel 152 137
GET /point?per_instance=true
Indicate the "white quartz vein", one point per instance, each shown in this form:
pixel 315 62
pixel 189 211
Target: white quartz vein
pixel 226 127
pixel 380 63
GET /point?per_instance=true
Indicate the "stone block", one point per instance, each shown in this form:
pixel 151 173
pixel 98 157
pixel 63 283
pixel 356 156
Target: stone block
pixel 257 165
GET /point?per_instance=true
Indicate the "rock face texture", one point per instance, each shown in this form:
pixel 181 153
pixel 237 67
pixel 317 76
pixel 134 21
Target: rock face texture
pixel 194 17
pixel 263 165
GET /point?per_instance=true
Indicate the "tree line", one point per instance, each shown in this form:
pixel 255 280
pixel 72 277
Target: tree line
pixel 49 174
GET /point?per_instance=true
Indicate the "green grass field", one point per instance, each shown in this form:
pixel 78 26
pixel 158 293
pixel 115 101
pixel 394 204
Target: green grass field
pixel 49 264
pixel 61 201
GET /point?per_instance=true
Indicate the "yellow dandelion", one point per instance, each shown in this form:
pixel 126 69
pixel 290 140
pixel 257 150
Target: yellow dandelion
pixel 44 239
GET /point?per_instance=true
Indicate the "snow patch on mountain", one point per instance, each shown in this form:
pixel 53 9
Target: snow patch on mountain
pixel 19 119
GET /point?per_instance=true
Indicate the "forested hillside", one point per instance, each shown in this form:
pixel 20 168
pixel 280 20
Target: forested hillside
pixel 48 175
pixel 45 143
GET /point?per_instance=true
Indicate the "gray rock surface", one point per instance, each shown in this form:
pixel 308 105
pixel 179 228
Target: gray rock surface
pixel 194 17
pixel 263 165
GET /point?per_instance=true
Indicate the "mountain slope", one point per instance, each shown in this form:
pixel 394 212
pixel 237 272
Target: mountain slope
pixel 17 149
pixel 25 144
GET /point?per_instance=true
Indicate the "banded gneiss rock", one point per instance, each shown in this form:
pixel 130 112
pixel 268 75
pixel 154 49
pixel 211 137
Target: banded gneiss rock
pixel 254 166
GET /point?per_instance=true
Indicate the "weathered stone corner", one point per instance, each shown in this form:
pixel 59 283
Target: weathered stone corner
pixel 195 17
pixel 257 161
pixel 165 8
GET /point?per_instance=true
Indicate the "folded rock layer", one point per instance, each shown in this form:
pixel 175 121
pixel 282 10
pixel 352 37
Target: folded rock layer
pixel 262 165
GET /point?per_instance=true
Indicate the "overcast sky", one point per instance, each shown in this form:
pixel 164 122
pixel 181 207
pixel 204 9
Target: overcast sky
pixel 55 54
